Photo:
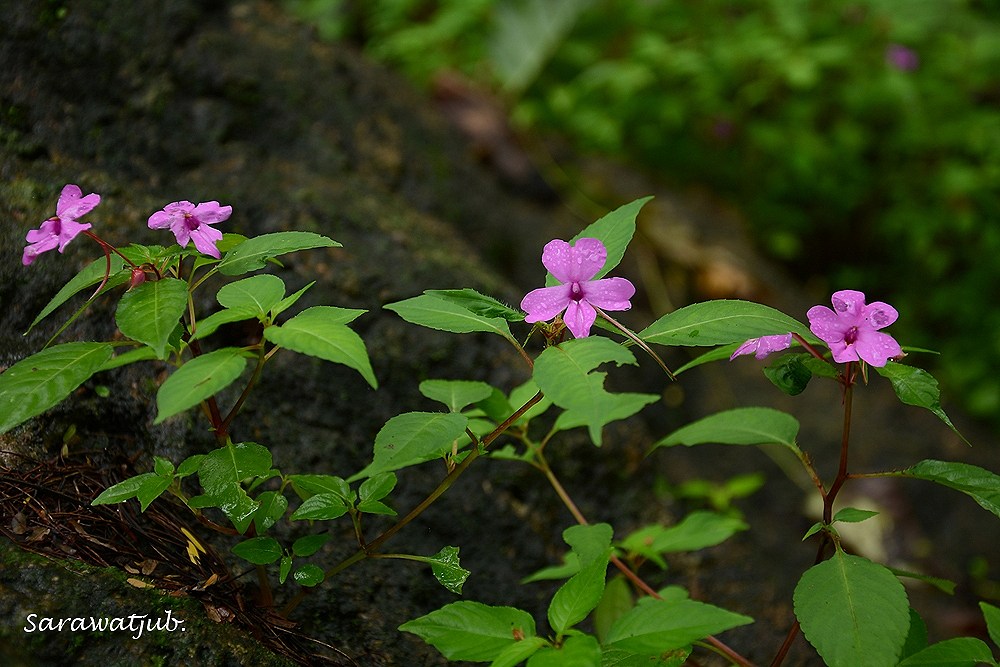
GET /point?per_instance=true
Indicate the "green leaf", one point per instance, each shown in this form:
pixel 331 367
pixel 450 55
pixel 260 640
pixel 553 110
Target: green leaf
pixel 253 253
pixel 720 322
pixel 518 652
pixel 716 354
pixel 258 550
pixel 322 507
pixel 163 467
pixel 473 631
pixel 958 652
pixel 740 426
pixel 853 611
pixel 569 567
pixel 943 585
pixel 576 651
pixel 207 326
pixel 916 636
pixel 373 490
pixel 615 230
pixel 310 544
pixel 92 274
pixel 992 616
pixel 256 294
pixel 36 383
pixel 576 598
pixel 221 473
pixel 289 300
pixel 526 34
pixel 308 575
pixel 434 312
pixel 656 626
pixel 917 387
pixel 616 657
pixel 615 603
pixel 447 569
pixel 564 374
pixel 150 312
pixel 284 568
pixel 138 354
pixel 697 530
pixel 456 394
pixel 197 380
pixel 478 304
pixel 789 374
pixel 272 508
pixel 147 487
pixel 309 485
pixel 853 515
pixel 412 438
pixel 981 485
pixel 190 465
pixel 321 332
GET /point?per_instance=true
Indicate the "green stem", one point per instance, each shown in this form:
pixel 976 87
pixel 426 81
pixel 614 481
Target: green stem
pixel 638 341
pixel 258 369
pixel 372 547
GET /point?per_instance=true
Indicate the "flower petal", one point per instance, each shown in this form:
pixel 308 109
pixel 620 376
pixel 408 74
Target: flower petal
pixel 71 208
pixel 842 352
pixel 879 315
pixel 749 347
pixel 35 249
pixel 849 303
pixel 69 230
pixel 579 317
pixel 876 348
pixel 210 212
pixel 609 293
pixel 544 303
pixel 571 264
pixel 160 220
pixel 827 326
pixel 205 238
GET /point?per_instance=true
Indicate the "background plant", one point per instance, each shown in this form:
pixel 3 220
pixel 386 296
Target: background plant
pixel 868 126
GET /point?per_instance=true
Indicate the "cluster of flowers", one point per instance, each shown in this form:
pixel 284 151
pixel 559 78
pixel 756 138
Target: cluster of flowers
pixel 189 222
pixel 851 329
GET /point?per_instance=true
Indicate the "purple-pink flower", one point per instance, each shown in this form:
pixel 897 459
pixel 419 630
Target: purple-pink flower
pixel 763 346
pixel 851 329
pixel 190 222
pixel 902 58
pixel 575 267
pixel 59 230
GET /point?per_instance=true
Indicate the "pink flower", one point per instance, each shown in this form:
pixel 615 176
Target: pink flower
pixel 763 346
pixel 851 328
pixel 191 223
pixel 575 266
pixel 63 228
pixel 902 58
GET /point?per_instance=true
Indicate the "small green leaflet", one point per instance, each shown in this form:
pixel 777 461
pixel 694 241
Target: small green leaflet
pixel 447 570
pixel 256 294
pixel 373 490
pixel 412 438
pixel 199 379
pixel 564 374
pixel 615 230
pixel 992 616
pixel 981 485
pixel 577 650
pixel 478 304
pixel 740 426
pixel 957 652
pixel 654 626
pixel 146 487
pixel 473 631
pixel 310 544
pixel 721 322
pixel 322 507
pixel 259 550
pixel 576 598
pixel 272 507
pixel 253 253
pixel 698 530
pixel 222 470
pixel 456 394
pixel 150 312
pixel 853 611
pixel 917 387
pixel 308 575
pixel 36 383
pixel 434 312
pixel 321 332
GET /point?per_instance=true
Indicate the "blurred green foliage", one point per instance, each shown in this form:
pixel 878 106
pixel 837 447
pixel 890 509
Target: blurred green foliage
pixel 861 138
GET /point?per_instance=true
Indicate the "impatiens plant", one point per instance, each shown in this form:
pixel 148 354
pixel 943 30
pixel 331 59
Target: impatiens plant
pixel 852 610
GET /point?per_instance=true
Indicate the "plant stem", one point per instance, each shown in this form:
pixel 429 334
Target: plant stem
pixel 369 549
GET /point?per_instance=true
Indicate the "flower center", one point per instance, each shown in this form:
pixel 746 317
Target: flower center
pixel 576 292
pixel 851 336
pixel 191 222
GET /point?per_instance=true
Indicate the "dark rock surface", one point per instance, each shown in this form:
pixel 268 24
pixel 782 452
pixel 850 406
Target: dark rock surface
pixel 151 101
